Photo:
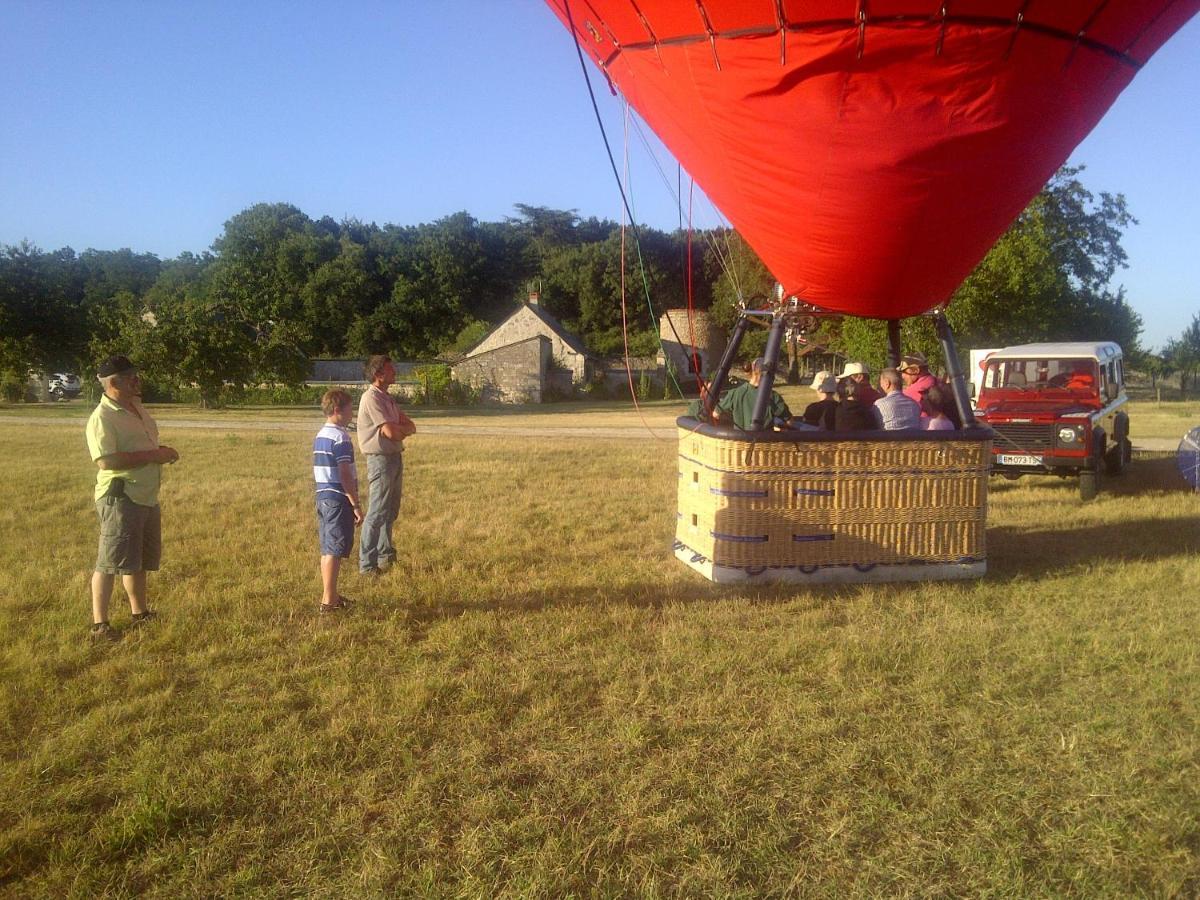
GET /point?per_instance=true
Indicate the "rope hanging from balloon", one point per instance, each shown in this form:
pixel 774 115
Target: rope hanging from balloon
pixel 624 198
pixel 624 317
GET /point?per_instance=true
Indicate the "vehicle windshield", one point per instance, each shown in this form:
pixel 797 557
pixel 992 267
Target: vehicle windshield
pixel 1079 376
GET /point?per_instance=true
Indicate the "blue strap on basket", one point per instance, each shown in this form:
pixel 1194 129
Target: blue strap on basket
pixel 1187 457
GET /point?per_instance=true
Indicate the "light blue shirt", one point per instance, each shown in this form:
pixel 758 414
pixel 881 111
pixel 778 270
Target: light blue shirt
pixel 896 412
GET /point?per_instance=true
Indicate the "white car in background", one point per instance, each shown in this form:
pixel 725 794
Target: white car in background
pixel 63 386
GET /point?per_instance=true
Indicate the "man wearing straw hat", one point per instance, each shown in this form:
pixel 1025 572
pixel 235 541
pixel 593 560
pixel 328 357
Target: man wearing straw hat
pixel 860 375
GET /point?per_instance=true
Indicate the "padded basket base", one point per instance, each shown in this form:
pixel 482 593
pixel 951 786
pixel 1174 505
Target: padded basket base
pixel 832 574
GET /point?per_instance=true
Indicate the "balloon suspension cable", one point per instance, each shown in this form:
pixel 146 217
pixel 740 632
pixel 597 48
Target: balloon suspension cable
pixel 695 356
pixel 724 256
pixel 617 175
pixel 637 245
pixel 624 316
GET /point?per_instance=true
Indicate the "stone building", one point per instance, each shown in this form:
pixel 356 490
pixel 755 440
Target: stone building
pixel 680 332
pixel 518 372
pixel 530 319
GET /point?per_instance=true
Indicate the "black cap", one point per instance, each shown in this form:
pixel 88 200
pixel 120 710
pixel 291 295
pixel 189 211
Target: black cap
pixel 115 365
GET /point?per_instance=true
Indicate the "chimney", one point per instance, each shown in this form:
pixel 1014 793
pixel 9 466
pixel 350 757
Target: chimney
pixel 534 296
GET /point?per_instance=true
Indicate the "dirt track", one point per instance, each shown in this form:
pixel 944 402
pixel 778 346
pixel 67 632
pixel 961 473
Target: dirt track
pixel 606 431
pixel 1144 445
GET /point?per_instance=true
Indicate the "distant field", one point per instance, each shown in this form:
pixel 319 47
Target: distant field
pixel 539 701
pixel 1169 419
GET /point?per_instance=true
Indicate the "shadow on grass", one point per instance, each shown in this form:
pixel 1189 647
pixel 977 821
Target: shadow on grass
pixel 1149 473
pixel 1013 553
pixel 1022 553
pixel 1055 549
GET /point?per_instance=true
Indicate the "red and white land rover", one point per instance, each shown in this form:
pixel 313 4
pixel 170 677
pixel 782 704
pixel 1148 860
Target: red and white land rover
pixel 1056 409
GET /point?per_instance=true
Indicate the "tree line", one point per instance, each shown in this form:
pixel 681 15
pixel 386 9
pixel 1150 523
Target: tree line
pixel 278 288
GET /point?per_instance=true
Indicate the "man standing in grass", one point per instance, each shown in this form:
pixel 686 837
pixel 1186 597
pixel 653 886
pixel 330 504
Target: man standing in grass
pixel 382 428
pixel 123 442
pixel 338 510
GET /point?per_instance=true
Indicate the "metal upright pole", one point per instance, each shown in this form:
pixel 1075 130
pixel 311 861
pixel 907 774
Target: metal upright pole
pixel 893 326
pixel 762 402
pixel 958 379
pixel 709 403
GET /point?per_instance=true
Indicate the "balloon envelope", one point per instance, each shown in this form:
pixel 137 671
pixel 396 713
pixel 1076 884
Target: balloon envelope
pixel 872 151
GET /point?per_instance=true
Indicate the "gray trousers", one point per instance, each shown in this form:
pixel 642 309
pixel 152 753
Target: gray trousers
pixel 385 479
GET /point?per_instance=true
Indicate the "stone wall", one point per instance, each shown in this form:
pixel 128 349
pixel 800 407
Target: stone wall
pixel 515 373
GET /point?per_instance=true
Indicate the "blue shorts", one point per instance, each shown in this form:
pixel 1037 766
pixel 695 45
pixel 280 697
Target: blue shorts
pixel 335 524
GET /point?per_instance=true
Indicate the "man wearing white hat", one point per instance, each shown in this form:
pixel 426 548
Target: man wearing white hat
pixel 821 413
pixel 859 374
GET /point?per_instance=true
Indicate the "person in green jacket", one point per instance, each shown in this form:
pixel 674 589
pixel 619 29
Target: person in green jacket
pixel 737 406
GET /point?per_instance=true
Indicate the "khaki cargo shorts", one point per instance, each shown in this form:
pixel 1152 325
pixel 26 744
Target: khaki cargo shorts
pixel 130 537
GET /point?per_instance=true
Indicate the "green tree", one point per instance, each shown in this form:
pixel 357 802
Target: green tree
pixel 1183 354
pixel 41 312
pixel 736 275
pixel 182 335
pixel 1047 278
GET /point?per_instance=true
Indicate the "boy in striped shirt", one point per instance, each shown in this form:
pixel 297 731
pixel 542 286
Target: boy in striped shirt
pixel 338 510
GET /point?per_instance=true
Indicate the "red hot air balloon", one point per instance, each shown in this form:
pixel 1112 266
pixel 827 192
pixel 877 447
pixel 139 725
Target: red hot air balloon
pixel 872 151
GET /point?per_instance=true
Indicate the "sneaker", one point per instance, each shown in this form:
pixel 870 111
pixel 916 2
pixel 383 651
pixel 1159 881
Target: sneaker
pixel 370 573
pixel 143 617
pixel 102 631
pixel 341 604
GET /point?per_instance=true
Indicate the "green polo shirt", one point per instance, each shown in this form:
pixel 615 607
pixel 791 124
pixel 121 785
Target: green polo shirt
pixel 114 429
pixel 740 404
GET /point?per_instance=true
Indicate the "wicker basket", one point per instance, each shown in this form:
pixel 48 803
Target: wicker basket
pixel 819 507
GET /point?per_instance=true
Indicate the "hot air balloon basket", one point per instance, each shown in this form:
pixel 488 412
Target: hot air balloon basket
pixel 817 507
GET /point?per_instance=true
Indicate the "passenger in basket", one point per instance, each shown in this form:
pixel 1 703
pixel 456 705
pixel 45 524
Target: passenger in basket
pixel 938 400
pixel 821 413
pixel 738 405
pixel 860 375
pixel 894 410
pixel 917 381
pixel 854 413
pixel 695 409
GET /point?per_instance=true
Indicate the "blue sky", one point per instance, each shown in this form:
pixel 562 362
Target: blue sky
pixel 147 125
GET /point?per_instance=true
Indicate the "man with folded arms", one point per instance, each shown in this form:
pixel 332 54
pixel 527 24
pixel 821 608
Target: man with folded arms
pixel 382 428
pixel 123 442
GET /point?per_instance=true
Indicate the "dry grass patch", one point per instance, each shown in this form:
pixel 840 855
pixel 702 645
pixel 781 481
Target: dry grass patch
pixel 540 701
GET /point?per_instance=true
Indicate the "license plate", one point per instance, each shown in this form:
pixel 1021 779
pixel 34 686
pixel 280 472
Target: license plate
pixel 1018 459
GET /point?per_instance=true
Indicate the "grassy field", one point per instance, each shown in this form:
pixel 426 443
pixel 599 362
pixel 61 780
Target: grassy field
pixel 1151 419
pixel 539 701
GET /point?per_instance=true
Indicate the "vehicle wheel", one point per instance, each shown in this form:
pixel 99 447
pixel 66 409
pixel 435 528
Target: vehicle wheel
pixel 1089 484
pixel 1114 460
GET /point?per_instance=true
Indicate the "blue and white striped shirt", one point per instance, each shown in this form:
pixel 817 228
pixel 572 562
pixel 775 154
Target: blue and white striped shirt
pixel 330 447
